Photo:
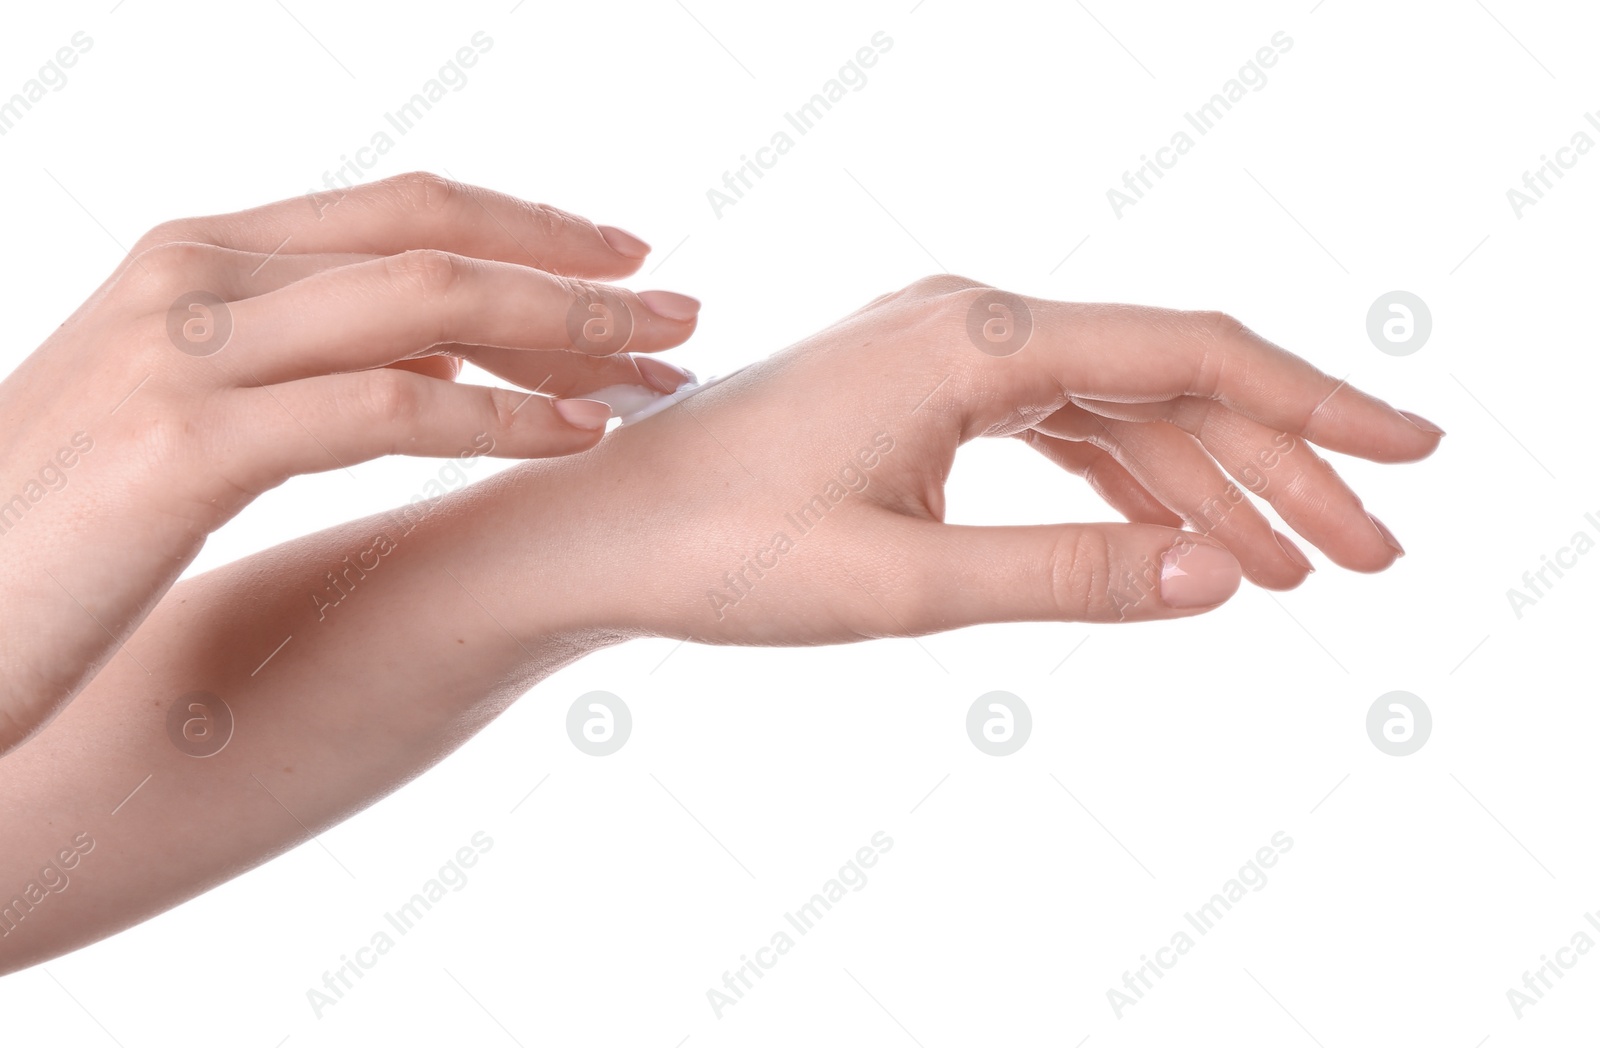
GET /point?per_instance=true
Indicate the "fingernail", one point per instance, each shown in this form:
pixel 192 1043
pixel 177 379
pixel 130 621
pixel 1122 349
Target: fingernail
pixel 624 242
pixel 1196 575
pixel 585 414
pixel 670 304
pixel 1387 535
pixel 1292 551
pixel 1422 423
pixel 661 375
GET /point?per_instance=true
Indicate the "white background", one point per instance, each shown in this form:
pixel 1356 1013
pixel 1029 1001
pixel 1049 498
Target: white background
pixel 1019 889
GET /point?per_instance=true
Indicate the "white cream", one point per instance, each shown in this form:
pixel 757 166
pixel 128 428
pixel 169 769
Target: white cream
pixel 631 403
pixel 626 399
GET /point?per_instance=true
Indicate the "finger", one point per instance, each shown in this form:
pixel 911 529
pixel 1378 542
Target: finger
pixel 183 266
pixel 1288 473
pixel 324 423
pixel 1106 476
pixel 386 309
pixel 1174 467
pixel 566 374
pixel 1137 353
pixel 944 576
pixel 255 274
pixel 421 210
pixel 1180 471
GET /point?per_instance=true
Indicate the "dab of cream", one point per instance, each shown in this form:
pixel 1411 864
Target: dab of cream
pixel 625 400
pixel 631 403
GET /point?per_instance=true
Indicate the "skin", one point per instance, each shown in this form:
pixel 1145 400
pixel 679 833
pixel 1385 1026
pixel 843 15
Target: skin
pixel 413 272
pixel 484 592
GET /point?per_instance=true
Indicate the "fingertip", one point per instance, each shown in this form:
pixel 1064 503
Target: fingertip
pixel 1279 584
pixel 662 376
pixel 624 243
pixel 1281 572
pixel 582 414
pixel 670 305
pixel 1415 439
pixel 1295 554
pixel 1197 576
pixel 1396 551
pixel 1423 448
pixel 1422 423
pixel 550 427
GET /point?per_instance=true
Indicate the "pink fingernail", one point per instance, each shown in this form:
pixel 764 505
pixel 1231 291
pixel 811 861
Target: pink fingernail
pixel 1293 552
pixel 585 414
pixel 661 375
pixel 1196 575
pixel 1387 535
pixel 670 304
pixel 624 243
pixel 1422 423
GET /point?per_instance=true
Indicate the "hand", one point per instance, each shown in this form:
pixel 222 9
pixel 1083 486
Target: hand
pixel 227 354
pixel 670 526
pixel 801 501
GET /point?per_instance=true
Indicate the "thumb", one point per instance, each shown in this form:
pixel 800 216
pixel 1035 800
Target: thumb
pixel 1069 572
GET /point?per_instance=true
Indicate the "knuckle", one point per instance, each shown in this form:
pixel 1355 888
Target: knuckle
pixel 1219 335
pixel 1093 469
pixel 165 233
pixel 549 222
pixel 180 255
pixel 167 436
pixel 395 398
pixel 1082 572
pixel 169 268
pixel 425 191
pixel 576 291
pixel 572 288
pixel 936 284
pixel 932 286
pixel 1219 326
pixel 953 306
pixel 499 408
pixel 426 272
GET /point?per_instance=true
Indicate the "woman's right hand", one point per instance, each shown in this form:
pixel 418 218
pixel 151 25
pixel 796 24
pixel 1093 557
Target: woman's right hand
pixel 802 500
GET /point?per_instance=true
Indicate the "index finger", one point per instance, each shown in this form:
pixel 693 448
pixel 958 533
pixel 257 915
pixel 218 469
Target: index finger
pixel 420 210
pixel 1137 354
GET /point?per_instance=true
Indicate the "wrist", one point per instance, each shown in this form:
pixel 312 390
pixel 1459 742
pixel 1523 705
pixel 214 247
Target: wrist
pixel 524 559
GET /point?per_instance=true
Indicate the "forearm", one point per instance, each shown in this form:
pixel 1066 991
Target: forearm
pixel 341 689
pixel 800 502
pixel 65 488
pixel 215 364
